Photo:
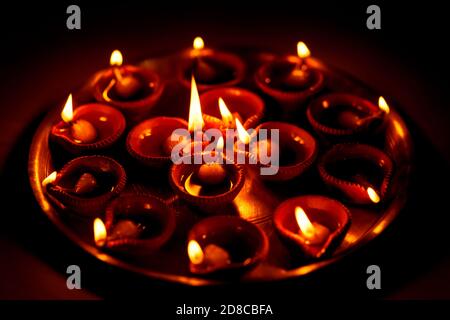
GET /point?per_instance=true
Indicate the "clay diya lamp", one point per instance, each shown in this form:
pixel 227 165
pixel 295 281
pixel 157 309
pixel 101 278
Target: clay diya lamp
pixel 290 80
pixel 224 245
pixel 361 173
pixel 211 68
pixel 295 147
pixel 207 182
pixel 312 223
pixel 344 116
pixel 90 127
pixel 135 224
pixel 86 184
pixel 221 106
pixel 131 89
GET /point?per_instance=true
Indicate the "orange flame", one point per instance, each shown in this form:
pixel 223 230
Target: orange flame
pixel 382 104
pixel 220 144
pixel 373 195
pixel 243 135
pixel 302 50
pixel 227 117
pixel 196 122
pixel 67 112
pixel 305 225
pixel 116 58
pixel 51 177
pixel 198 43
pixel 195 252
pixel 99 232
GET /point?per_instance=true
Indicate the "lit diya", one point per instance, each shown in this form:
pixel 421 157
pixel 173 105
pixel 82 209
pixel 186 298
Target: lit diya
pixel 133 90
pixel 135 223
pixel 341 115
pixel 296 149
pixel 211 68
pixel 86 184
pixel 89 127
pixel 290 80
pixel 314 224
pixel 359 172
pixel 224 244
pixel 221 106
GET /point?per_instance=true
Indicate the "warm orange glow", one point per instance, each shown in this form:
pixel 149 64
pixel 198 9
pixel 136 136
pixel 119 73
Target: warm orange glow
pixel 99 232
pixel 227 117
pixel 116 58
pixel 198 43
pixel 67 113
pixel 195 252
pixel 373 195
pixel 220 144
pixel 242 133
pixel 383 105
pixel 302 50
pixel 305 225
pixel 196 122
pixel 51 177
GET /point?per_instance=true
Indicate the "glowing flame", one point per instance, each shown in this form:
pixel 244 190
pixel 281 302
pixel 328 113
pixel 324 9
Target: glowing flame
pixel 198 44
pixel 99 232
pixel 116 58
pixel 373 195
pixel 383 105
pixel 195 109
pixel 227 117
pixel 51 177
pixel 67 113
pixel 242 133
pixel 195 252
pixel 305 225
pixel 220 144
pixel 302 50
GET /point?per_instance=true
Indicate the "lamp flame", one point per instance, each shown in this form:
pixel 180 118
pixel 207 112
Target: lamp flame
pixel 99 232
pixel 51 177
pixel 242 133
pixel 302 50
pixel 67 113
pixel 198 43
pixel 227 117
pixel 116 58
pixel 195 252
pixel 220 144
pixel 305 225
pixel 382 104
pixel 373 195
pixel 195 109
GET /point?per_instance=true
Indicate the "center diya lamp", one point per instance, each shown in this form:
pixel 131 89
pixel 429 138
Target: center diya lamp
pixel 346 116
pixel 90 127
pixel 135 224
pixel 290 80
pixel 314 224
pixel 225 245
pixel 86 184
pixel 133 90
pixel 359 172
pixel 211 68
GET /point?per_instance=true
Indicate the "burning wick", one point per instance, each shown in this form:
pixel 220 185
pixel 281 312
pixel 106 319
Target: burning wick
pixel 373 195
pixel 300 74
pixel 213 255
pixel 81 130
pixel 382 104
pixel 313 232
pixel 195 123
pixel 50 179
pixel 243 135
pixel 198 43
pixel 227 116
pixel 99 232
pixel 126 86
pixel 122 229
pixel 202 70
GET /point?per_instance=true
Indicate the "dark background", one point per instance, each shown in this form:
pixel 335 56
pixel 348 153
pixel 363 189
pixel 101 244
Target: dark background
pixel 407 60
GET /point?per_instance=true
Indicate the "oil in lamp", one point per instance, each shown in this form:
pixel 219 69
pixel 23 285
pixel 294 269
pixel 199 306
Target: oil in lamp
pixel 136 224
pixel 134 90
pixel 290 80
pixel 345 116
pixel 211 68
pixel 225 245
pixel 359 172
pixel 89 127
pixel 312 223
pixel 86 184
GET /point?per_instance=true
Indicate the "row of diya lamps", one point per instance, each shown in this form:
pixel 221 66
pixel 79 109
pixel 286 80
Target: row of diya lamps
pixel 91 185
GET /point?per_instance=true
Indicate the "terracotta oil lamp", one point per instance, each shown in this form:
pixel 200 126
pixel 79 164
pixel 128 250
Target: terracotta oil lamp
pixel 359 172
pixel 131 89
pixel 88 128
pixel 346 116
pixel 312 223
pixel 135 224
pixel 224 245
pixel 290 80
pixel 211 68
pixel 86 184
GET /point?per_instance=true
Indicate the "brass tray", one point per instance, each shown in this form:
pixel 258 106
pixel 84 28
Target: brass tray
pixel 257 200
